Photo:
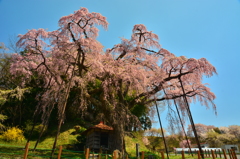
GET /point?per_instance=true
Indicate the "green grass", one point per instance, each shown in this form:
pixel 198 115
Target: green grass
pixel 14 152
pixel 66 139
pixel 186 156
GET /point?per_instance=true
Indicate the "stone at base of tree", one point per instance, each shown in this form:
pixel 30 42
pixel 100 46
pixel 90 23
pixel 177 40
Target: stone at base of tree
pixel 118 153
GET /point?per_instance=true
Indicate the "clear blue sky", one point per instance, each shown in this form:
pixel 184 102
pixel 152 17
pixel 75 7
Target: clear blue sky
pixel 192 28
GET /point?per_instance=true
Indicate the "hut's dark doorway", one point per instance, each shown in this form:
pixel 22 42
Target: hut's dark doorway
pixel 104 140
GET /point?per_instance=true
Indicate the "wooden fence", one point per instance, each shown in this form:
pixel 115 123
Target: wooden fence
pixel 230 154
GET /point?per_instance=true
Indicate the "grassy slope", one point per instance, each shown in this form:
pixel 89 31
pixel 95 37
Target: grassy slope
pixel 131 144
pixel 16 149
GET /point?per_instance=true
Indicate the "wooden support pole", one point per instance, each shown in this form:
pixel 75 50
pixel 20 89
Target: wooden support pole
pixel 213 155
pixel 230 154
pixel 142 155
pixel 209 153
pixel 216 153
pixel 199 155
pixel 87 153
pixel 26 150
pixel 219 153
pixel 164 140
pixel 183 157
pixel 59 152
pixel 224 154
pixel 162 154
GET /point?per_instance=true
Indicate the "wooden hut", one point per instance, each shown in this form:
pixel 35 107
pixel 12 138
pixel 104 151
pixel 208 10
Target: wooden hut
pixel 99 136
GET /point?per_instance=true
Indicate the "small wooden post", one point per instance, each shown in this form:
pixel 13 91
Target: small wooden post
pixel 230 151
pixel 87 153
pixel 183 157
pixel 233 154
pixel 115 154
pixel 219 153
pixel 199 156
pixel 106 156
pixel 137 150
pixel 59 152
pixel 213 155
pixel 100 153
pixel 162 154
pixel 126 156
pixel 224 154
pixel 92 153
pixel 142 154
pixel 230 154
pixel 209 153
pixel 216 153
pixel 26 151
